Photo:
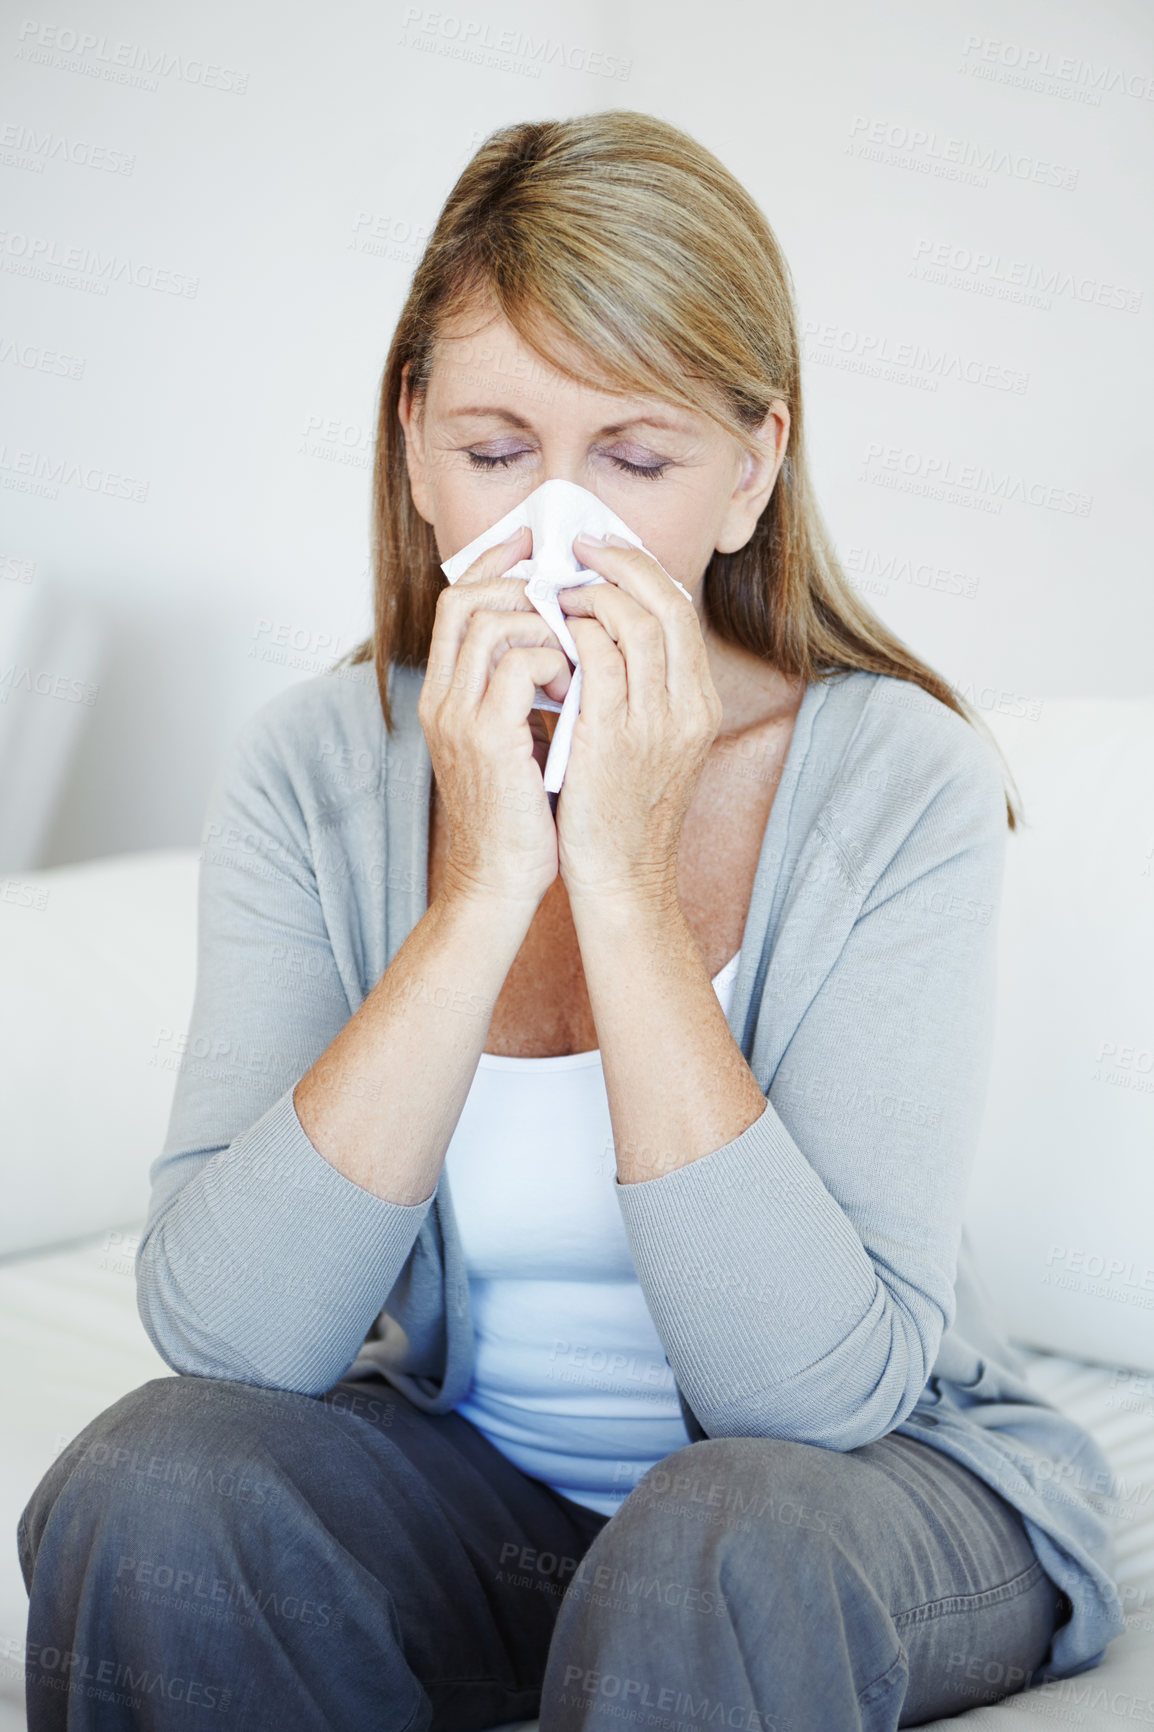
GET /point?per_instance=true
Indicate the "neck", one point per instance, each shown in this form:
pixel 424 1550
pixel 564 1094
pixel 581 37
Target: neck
pixel 753 693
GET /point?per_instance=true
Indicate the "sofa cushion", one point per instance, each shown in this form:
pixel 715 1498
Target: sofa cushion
pixel 98 962
pixel 49 686
pixel 1062 1195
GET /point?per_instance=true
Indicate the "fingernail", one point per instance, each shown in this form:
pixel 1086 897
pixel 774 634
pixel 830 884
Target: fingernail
pixel 603 540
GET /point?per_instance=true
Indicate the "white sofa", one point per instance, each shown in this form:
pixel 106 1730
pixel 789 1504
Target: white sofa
pixel 54 650
pixel 98 962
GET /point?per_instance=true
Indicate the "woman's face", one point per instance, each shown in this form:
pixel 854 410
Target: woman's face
pixel 496 422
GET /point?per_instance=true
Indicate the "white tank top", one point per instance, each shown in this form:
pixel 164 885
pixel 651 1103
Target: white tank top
pixel 570 1379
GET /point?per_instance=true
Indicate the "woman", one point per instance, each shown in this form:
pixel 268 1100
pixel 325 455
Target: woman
pixel 686 1406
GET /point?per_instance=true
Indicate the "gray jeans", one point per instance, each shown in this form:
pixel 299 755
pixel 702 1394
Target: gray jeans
pixel 209 1554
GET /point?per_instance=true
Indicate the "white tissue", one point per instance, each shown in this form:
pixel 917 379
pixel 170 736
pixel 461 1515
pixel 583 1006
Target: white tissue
pixel 555 512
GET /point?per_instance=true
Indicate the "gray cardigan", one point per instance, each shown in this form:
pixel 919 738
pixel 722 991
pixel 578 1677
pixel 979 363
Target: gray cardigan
pixel 809 1280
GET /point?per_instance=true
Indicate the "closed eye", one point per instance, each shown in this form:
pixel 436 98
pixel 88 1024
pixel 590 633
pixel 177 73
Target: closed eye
pixel 479 460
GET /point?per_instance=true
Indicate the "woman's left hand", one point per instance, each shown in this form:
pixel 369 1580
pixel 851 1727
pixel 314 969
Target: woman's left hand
pixel 649 715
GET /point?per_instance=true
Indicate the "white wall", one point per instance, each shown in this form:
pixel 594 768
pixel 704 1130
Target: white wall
pixel 980 429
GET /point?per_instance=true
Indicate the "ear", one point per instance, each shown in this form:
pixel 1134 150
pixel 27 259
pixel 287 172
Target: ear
pixel 410 415
pixel 755 484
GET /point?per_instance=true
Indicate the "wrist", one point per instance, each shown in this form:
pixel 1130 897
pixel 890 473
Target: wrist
pixel 645 894
pixel 469 897
pixel 616 907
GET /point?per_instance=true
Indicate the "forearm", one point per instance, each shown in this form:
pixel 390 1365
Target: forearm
pixel 761 1288
pixel 382 1101
pixel 270 1264
pixel 677 1083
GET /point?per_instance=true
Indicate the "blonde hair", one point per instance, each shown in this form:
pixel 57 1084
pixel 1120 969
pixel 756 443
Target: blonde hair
pixel 620 235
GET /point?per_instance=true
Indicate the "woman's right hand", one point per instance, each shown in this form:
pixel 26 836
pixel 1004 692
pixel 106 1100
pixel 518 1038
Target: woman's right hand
pixel 489 651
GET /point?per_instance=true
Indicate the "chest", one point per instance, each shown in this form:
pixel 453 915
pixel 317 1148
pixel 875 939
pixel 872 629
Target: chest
pixel 543 1009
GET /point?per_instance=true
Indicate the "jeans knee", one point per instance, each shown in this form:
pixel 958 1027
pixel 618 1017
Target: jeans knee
pixel 769 1493
pixel 722 1473
pixel 176 1454
pixel 230 1537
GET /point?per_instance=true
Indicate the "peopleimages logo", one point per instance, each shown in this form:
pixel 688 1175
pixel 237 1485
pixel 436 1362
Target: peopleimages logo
pixel 510 50
pixel 875 570
pixel 1016 279
pixel 1015 63
pixel 936 477
pixel 36 472
pixel 70 50
pixel 24 147
pixel 924 149
pixel 903 362
pixel 40 360
pixel 46 259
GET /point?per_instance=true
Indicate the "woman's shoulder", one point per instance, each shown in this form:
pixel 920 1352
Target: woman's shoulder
pixel 324 738
pixel 883 741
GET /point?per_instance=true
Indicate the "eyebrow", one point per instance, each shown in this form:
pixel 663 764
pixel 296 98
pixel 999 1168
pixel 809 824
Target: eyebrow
pixel 613 427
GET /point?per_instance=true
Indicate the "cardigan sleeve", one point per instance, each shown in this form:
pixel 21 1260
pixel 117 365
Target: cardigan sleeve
pixel 802 1276
pixel 259 1261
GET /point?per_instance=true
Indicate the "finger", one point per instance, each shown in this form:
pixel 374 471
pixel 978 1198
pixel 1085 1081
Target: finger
pixel 635 572
pixel 483 585
pixel 512 689
pixel 582 544
pixel 470 636
pixel 605 680
pixel 493 561
pixel 492 634
pixel 640 637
